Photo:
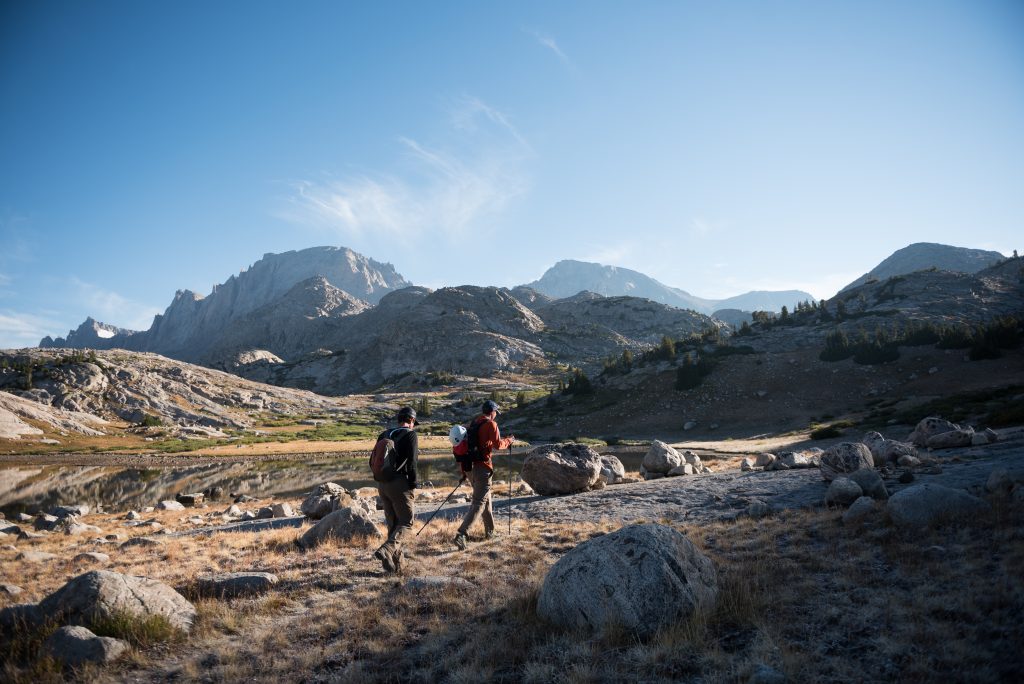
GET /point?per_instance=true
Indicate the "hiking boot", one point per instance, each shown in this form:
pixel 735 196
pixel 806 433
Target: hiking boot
pixel 489 534
pixel 460 541
pixel 386 559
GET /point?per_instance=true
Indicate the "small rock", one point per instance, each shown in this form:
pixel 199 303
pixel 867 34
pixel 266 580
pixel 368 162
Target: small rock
pixel 689 425
pixel 132 515
pixel 249 515
pixel 113 537
pixel 758 509
pixel 999 482
pixel 244 498
pixel 45 522
pixel 765 459
pixel 10 589
pixel 438 582
pixel 24 517
pixel 25 534
pixel 75 646
pixel 282 510
pixel 148 509
pixel 65 511
pixel 170 506
pixel 35 556
pixel 908 461
pixel 265 513
pixel 91 557
pixel 859 510
pixel 145 542
pixel 906 477
pixel 190 500
pixel 685 469
pixel 234 511
pixel 234 584
pixel 747 464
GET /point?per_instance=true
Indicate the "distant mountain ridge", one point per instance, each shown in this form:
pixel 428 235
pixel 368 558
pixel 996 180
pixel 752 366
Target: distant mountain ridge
pixel 924 255
pixel 567 277
pixel 287 320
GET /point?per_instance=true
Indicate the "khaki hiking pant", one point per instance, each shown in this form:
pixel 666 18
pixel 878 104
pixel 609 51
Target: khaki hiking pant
pixel 397 498
pixel 480 477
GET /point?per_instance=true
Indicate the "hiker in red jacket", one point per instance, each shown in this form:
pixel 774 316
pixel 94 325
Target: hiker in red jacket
pixel 482 471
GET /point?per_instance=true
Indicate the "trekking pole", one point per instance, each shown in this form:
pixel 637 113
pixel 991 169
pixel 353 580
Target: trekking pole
pixel 510 490
pixel 442 505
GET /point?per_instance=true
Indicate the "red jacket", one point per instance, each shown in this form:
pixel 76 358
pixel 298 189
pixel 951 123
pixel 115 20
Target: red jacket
pixel 489 438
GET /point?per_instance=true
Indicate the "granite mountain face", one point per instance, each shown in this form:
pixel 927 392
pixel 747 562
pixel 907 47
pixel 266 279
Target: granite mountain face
pixel 193 323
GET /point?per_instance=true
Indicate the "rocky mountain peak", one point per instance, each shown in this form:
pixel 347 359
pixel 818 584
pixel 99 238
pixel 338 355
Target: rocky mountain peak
pixel 924 255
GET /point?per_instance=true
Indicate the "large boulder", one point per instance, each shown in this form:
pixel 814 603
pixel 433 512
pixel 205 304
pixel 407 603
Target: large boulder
pixel 842 492
pixel 885 450
pixel 612 470
pixel 101 594
pixel 843 459
pixel 925 504
pixel 871 483
pixel 951 439
pixel 344 524
pixel 75 646
pixel 327 497
pixel 661 458
pixel 564 468
pixel 642 578
pixel 928 428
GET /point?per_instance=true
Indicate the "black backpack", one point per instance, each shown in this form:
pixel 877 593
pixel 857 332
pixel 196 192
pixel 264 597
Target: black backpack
pixel 384 457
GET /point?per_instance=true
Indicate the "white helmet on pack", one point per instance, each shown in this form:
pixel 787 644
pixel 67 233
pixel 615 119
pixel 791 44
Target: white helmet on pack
pixel 456 435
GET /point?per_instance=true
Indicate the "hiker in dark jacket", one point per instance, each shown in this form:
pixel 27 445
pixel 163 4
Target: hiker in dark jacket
pixel 397 495
pixel 489 439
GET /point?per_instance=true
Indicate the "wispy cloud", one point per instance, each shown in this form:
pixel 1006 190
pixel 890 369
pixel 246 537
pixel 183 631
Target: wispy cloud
pixel 549 42
pixel 441 188
pixel 19 329
pixel 111 307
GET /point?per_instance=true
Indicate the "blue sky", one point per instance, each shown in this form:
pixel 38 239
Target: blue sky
pixel 147 147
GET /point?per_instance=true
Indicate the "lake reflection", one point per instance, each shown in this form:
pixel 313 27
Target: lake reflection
pixel 39 488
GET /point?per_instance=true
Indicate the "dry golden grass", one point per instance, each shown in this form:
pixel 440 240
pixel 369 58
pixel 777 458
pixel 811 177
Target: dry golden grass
pixel 800 592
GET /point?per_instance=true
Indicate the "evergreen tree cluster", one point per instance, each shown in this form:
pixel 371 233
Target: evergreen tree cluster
pixel 692 371
pixel 984 342
pixel 578 383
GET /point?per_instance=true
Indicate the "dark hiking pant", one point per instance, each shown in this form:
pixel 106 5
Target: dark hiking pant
pixel 397 498
pixel 481 478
